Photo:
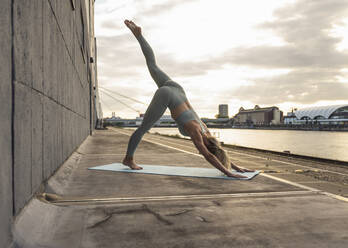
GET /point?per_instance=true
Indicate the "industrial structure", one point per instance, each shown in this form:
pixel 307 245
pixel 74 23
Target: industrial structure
pixel 333 114
pixel 165 120
pixel 48 94
pixel 223 111
pixel 258 116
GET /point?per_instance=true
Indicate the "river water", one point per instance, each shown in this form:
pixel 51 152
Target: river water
pixel 323 144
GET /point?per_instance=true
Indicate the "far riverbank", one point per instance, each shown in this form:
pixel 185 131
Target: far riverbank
pixel 323 145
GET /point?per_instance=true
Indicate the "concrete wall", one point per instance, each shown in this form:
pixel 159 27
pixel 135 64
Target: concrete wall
pixel 5 124
pixel 46 100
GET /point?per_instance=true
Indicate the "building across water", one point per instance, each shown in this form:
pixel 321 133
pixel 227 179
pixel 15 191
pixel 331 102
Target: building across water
pixel 165 120
pixel 334 114
pixel 223 111
pixel 258 116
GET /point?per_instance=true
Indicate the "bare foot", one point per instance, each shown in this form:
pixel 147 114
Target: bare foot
pixel 130 163
pixel 136 30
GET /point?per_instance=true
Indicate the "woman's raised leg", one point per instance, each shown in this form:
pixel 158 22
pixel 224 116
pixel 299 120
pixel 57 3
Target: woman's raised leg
pixel 156 73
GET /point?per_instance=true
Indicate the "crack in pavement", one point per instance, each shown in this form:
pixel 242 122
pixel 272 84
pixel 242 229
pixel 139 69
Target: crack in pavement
pixel 144 209
pixel 180 212
pixel 157 215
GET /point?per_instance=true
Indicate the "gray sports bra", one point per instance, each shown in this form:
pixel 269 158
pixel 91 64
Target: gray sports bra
pixel 186 116
pixel 177 97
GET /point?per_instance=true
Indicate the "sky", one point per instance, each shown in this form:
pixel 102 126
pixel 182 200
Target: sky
pixel 284 53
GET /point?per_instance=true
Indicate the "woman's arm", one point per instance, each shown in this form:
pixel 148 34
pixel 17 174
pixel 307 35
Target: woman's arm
pixel 211 158
pixel 240 169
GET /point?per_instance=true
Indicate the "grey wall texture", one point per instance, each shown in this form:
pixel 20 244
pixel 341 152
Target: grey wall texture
pixel 46 97
pixel 5 124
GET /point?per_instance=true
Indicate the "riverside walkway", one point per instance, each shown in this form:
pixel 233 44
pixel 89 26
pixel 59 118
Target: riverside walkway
pixel 278 208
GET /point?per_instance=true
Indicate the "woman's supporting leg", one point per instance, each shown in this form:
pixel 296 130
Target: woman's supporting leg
pixel 157 74
pixel 155 110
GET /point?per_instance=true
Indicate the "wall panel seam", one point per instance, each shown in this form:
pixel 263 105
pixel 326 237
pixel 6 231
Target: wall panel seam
pixel 42 105
pixel 13 105
pixel 52 99
pixel 66 46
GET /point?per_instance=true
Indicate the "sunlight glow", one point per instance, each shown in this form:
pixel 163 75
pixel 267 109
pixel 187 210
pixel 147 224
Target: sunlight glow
pixel 341 31
pixel 197 31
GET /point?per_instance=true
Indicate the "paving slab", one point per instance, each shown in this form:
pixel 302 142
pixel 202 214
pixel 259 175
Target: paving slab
pixel 109 147
pixel 329 186
pixel 110 209
pixel 297 178
pixel 289 221
pixel 283 168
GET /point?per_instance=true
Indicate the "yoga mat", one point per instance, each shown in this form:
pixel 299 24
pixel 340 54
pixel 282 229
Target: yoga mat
pixel 175 171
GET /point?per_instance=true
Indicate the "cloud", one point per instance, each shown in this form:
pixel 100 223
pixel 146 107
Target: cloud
pixel 304 26
pixel 301 86
pixel 292 56
pixel 121 57
pixel 115 57
pixel 310 52
pixel 112 24
pixel 140 11
pixel 161 8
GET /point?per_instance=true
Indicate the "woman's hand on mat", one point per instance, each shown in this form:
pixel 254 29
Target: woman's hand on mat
pixel 241 169
pixel 230 174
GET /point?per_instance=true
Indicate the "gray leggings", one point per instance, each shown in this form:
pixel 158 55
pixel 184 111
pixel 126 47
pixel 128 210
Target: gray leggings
pixel 169 94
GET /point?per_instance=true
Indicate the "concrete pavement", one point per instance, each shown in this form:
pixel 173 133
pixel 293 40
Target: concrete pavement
pixel 110 209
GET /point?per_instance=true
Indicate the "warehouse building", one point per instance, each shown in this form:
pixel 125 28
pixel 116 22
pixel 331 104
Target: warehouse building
pixel 258 116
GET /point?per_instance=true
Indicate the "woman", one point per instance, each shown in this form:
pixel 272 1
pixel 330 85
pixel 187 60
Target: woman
pixel 170 94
